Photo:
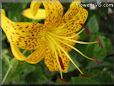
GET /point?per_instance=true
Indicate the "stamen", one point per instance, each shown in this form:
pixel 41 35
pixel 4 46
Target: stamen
pixel 59 65
pixel 70 59
pixel 86 28
pixel 76 50
pixel 54 49
pixel 80 42
pixel 62 80
pixel 80 32
pixel 58 45
pixel 76 34
pixel 99 42
pixel 97 61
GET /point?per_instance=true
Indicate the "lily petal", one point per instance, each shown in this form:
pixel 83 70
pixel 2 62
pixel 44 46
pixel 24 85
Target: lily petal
pixel 17 54
pixel 34 6
pixel 54 12
pixel 75 16
pixel 24 35
pixel 36 56
pixel 39 15
pixel 34 12
pixel 52 64
pixel 33 58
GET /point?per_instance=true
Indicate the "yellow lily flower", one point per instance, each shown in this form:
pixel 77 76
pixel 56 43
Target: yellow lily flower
pixel 50 41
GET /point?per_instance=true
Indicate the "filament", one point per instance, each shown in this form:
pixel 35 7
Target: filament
pixel 76 50
pixel 79 42
pixel 58 45
pixel 54 49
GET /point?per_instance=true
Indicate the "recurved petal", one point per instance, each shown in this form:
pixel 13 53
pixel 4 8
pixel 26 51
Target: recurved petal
pixel 29 35
pixel 17 54
pixel 33 58
pixel 23 34
pixel 39 15
pixel 74 17
pixel 34 6
pixel 54 12
pixel 52 64
pixel 36 56
pixel 34 12
pixel 6 24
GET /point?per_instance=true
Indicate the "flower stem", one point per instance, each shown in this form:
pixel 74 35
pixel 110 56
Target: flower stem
pixel 6 75
pixel 12 66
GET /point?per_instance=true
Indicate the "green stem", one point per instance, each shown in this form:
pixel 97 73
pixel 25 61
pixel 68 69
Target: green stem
pixel 6 75
pixel 9 70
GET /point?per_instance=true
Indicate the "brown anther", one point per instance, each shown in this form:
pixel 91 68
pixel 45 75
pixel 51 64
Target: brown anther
pixel 86 28
pixel 97 61
pixel 62 80
pixel 99 42
pixel 84 75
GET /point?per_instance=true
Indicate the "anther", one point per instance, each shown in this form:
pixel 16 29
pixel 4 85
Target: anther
pixel 99 41
pixel 97 61
pixel 86 28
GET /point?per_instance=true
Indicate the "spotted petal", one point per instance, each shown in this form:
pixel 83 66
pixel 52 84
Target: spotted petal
pixel 23 34
pixel 54 12
pixel 17 54
pixel 36 56
pixel 74 17
pixel 33 58
pixel 39 15
pixel 52 64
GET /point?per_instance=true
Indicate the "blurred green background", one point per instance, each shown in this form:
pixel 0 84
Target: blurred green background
pixel 100 22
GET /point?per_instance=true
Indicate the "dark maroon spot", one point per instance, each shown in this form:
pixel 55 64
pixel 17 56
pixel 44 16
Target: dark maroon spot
pixel 26 26
pixel 20 28
pixel 61 63
pixel 99 42
pixel 21 37
pixel 17 33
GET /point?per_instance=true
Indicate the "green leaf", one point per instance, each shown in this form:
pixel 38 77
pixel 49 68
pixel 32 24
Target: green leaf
pixel 83 80
pixel 108 45
pixel 74 58
pixel 93 24
pixel 93 65
pixel 99 52
pixel 95 50
pixel 21 72
pixel 9 72
pixel 14 64
pixel 106 77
